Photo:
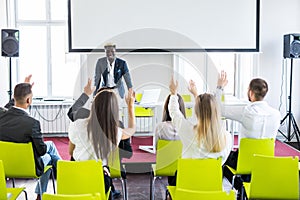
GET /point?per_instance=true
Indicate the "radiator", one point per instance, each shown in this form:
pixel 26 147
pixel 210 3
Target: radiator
pixel 52 117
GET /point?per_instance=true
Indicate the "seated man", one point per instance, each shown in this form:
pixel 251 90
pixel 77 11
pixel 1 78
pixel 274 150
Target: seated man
pixel 16 125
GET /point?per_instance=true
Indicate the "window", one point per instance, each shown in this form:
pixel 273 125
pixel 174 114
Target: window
pixel 43 40
pixel 240 69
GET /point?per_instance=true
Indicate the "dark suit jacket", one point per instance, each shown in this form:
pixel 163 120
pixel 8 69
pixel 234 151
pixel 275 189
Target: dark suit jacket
pixel 78 112
pixel 120 69
pixel 17 126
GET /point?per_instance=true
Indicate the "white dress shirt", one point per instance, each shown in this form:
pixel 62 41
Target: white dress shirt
pixel 110 75
pixel 258 119
pixel 190 146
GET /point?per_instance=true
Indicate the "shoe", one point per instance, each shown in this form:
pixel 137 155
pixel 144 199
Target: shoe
pixel 38 197
pixel 116 193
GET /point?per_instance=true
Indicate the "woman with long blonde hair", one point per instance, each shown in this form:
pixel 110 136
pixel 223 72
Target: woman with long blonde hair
pixel 208 137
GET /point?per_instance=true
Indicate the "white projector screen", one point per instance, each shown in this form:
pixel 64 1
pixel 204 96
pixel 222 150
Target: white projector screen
pixel 164 25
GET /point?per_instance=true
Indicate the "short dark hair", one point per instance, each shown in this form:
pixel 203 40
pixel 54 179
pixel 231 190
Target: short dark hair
pixel 21 91
pixel 259 87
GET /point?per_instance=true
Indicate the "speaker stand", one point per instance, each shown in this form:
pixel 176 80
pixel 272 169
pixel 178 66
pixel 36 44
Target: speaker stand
pixel 10 81
pixel 289 116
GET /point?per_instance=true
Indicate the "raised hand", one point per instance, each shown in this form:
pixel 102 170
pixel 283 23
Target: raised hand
pixel 192 88
pixel 130 97
pixel 173 86
pixel 222 79
pixel 88 88
pixel 27 79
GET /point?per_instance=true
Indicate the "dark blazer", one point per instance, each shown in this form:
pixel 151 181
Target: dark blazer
pixel 17 126
pixel 78 112
pixel 120 69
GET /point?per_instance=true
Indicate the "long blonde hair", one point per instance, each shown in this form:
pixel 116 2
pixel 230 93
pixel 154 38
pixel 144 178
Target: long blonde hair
pixel 103 122
pixel 209 128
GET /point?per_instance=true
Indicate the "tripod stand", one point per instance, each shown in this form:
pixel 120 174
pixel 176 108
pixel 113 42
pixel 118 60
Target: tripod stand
pixel 289 116
pixel 10 80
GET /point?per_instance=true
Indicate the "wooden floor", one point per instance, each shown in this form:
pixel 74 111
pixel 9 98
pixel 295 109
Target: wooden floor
pixel 138 186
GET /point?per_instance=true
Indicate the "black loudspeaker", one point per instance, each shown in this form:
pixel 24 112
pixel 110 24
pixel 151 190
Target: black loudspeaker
pixel 10 42
pixel 291 45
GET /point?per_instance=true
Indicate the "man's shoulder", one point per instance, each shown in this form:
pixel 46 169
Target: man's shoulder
pixel 119 60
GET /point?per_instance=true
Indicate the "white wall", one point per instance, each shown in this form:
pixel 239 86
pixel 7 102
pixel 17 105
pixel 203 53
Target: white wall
pixel 279 17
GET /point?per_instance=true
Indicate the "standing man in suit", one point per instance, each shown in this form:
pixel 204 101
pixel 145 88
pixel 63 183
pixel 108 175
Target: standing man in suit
pixel 16 125
pixel 110 70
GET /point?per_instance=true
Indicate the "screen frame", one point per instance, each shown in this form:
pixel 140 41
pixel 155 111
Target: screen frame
pixel 154 50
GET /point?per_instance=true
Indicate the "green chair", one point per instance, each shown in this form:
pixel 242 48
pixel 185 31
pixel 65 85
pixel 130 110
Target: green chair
pixel 249 147
pixel 8 193
pixel 20 163
pixel 273 178
pixel 138 97
pixel 115 171
pixel 182 194
pixel 167 154
pixel 71 197
pixel 198 175
pixel 188 109
pixel 81 177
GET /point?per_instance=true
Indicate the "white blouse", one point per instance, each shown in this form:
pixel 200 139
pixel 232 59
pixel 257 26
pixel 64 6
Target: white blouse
pixel 191 149
pixel 78 135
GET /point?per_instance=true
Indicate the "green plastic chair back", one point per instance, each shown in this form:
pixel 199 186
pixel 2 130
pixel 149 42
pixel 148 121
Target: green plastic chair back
pixel 71 197
pixel 249 147
pixel 186 97
pixel 13 192
pixel 274 178
pixel 182 194
pixel 199 174
pixel 167 154
pixel 80 177
pixel 138 97
pixel 14 155
pixel 18 161
pixel 115 170
pixel 114 164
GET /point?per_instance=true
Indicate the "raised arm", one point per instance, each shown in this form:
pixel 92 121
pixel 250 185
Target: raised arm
pixel 87 91
pixel 228 111
pixel 128 132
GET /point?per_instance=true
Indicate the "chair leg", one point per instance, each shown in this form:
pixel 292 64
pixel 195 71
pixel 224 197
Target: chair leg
pixel 232 182
pixel 25 193
pixel 152 191
pixel 167 193
pixel 13 182
pixel 53 180
pixel 151 179
pixel 40 187
pixel 126 191
pixel 123 188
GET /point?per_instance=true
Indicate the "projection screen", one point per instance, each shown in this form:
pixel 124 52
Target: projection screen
pixel 164 25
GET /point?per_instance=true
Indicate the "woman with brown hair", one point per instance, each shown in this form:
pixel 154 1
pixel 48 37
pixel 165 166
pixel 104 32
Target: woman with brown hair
pixel 97 136
pixel 165 130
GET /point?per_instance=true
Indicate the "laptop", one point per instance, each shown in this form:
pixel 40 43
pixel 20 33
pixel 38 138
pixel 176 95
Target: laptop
pixel 150 97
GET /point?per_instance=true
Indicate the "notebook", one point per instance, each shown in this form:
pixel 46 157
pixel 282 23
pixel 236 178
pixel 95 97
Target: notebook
pixel 150 97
